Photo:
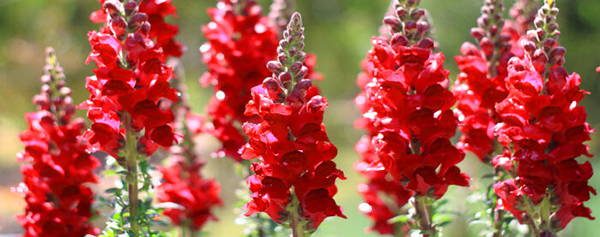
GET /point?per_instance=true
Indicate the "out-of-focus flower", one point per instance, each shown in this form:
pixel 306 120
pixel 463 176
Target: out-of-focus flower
pixel 183 185
pixel 240 41
pixel 294 179
pixel 58 169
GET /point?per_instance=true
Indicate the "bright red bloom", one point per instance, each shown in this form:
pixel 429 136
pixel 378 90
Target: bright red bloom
pixel 481 81
pixel 58 168
pixel 410 119
pixel 183 185
pixel 543 129
pixel 407 117
pixel 239 45
pixel 289 138
pixel 240 41
pixel 130 86
pixel 383 196
pixel 162 32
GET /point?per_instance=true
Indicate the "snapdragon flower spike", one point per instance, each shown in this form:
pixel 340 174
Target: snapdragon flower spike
pixel 58 170
pixel 409 115
pixel 161 32
pixel 523 13
pixel 240 42
pixel 481 81
pixel 383 196
pixel 131 82
pixel 294 178
pixel 543 131
pixel 195 197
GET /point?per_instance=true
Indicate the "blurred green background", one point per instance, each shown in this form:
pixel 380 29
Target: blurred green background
pixel 338 31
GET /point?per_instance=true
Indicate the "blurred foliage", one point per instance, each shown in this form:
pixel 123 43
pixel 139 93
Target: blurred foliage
pixel 338 31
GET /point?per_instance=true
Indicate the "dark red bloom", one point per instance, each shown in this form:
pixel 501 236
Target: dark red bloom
pixel 131 84
pixel 240 41
pixel 543 129
pixel 288 137
pixel 58 168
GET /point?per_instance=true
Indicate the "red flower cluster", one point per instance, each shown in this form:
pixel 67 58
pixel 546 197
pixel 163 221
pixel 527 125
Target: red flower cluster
pixel 543 130
pixel 409 119
pixel 239 45
pixel 480 84
pixel 184 185
pixel 287 134
pixel 162 32
pixel 131 83
pixel 383 196
pixel 58 169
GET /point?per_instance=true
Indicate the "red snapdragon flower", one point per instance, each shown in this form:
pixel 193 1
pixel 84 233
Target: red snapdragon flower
pixel 58 168
pixel 240 41
pixel 383 196
pixel 162 32
pixel 409 119
pixel 130 85
pixel 183 184
pixel 481 81
pixel 239 45
pixel 295 176
pixel 543 131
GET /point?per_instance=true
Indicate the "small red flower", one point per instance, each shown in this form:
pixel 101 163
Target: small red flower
pixel 288 136
pixel 58 169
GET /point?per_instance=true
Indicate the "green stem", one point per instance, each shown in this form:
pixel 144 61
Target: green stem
pixel 423 210
pixel 295 219
pixel 131 164
pixel 497 214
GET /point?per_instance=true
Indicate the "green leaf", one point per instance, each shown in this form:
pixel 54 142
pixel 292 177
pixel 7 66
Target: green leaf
pixel 442 219
pixel 400 219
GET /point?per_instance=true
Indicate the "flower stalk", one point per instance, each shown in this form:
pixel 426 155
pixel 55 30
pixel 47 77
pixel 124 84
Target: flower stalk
pixel 422 205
